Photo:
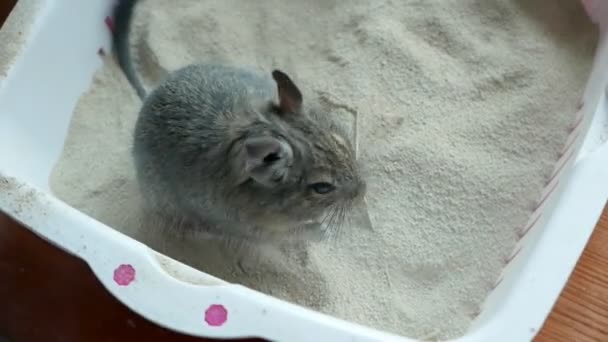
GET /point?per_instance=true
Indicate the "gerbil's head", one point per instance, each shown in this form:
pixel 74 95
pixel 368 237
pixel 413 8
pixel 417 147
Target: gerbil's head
pixel 305 169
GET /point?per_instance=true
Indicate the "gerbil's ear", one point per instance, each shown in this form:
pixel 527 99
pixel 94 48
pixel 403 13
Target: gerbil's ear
pixel 290 97
pixel 267 159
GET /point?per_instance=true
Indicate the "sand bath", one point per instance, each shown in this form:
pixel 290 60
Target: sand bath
pixel 460 108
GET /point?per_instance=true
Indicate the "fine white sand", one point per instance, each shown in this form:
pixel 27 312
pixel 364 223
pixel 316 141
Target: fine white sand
pixel 461 108
pixel 14 32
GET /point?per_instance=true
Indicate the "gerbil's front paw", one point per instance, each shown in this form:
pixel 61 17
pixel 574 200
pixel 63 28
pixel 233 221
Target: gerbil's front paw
pixel 278 257
pixel 251 259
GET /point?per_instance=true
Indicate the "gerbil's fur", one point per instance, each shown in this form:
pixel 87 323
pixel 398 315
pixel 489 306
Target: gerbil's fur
pixel 237 153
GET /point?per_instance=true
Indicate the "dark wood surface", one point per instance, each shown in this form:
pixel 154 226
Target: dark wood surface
pixel 5 8
pixel 48 295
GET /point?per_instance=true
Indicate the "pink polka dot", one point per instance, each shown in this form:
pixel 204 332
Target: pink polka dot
pixel 124 275
pixel 109 23
pixel 216 315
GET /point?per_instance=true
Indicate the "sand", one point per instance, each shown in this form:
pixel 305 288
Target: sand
pixel 14 32
pixel 461 108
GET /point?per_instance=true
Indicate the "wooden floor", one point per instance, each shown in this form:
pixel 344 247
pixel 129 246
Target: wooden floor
pixel 5 8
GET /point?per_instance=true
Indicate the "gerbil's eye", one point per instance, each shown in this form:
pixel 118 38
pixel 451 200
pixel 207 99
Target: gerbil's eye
pixel 322 188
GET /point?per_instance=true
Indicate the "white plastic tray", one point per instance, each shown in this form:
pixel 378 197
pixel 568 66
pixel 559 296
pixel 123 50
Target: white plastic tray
pixel 56 66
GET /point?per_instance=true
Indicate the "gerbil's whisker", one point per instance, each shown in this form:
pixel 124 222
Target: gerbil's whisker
pixel 334 221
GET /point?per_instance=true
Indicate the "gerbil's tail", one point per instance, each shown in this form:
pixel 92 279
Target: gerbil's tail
pixel 120 37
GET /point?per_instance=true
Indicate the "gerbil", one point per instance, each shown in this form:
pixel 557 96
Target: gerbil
pixel 236 153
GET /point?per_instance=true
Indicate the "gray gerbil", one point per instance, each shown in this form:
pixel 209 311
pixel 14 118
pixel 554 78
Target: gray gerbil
pixel 237 153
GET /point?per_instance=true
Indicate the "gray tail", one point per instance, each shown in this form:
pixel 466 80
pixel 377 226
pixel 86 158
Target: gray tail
pixel 123 13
